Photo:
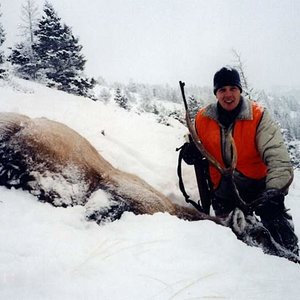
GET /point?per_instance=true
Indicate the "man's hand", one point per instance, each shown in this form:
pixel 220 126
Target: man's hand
pixel 270 203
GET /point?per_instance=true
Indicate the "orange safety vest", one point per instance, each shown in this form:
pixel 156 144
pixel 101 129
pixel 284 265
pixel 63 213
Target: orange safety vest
pixel 249 161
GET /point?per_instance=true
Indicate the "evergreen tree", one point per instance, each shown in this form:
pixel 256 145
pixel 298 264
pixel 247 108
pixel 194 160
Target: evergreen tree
pixel 193 106
pixel 118 96
pixel 155 110
pixel 50 52
pixel 24 61
pixel 121 100
pixel 59 59
pixel 124 102
pixel 2 56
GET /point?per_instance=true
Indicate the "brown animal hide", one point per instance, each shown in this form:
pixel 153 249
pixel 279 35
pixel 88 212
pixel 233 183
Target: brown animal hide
pixel 59 166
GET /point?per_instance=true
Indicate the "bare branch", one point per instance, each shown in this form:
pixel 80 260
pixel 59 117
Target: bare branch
pixel 240 66
pixel 29 16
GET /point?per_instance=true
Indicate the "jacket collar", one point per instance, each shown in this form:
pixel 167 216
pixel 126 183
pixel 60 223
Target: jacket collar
pixel 246 112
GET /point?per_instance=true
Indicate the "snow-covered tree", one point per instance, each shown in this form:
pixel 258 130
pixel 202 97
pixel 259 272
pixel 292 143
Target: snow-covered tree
pixel 132 86
pixel 24 61
pixel 121 100
pixel 2 56
pixel 104 95
pixel 193 106
pixel 49 52
pixel 59 55
pixel 118 95
pixel 147 106
pixel 178 115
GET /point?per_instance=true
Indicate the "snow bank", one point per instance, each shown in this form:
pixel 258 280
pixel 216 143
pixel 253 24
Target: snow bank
pixel 54 253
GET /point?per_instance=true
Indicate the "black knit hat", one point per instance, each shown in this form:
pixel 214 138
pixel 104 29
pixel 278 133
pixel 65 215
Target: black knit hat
pixel 227 76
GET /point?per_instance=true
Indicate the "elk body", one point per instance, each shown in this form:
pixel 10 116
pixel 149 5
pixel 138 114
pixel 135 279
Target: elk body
pixel 61 167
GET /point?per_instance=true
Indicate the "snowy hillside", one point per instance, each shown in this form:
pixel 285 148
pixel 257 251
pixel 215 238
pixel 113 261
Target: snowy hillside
pixel 54 253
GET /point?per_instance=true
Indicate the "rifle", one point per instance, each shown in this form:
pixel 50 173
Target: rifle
pixel 200 166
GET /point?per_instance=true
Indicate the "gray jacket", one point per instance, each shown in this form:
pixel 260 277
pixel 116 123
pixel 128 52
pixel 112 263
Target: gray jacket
pixel 269 143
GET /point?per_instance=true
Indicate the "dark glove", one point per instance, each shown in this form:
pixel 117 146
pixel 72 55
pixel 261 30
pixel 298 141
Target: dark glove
pixel 190 153
pixel 270 204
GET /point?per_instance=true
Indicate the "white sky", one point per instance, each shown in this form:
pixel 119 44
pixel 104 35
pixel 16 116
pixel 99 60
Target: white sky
pixel 164 41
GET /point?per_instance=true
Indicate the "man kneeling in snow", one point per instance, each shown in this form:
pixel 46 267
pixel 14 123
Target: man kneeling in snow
pixel 263 169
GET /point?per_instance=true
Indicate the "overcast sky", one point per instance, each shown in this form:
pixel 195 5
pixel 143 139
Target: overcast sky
pixel 164 41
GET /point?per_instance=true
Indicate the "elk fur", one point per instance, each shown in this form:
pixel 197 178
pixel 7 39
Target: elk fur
pixel 37 154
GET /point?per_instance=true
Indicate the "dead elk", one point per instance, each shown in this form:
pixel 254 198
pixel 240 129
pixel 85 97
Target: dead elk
pixel 61 167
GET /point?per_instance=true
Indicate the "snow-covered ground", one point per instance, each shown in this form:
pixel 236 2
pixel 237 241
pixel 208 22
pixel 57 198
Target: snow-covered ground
pixel 54 253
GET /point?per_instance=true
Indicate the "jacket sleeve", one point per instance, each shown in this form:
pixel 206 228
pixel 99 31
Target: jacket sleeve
pixel 274 154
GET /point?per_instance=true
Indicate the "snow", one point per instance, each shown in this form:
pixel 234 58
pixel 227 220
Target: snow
pixel 49 252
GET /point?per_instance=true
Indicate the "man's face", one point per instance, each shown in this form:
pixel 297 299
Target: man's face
pixel 229 97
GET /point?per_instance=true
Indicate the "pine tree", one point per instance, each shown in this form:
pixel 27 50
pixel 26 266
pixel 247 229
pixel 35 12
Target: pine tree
pixel 2 56
pixel 193 106
pixel 118 96
pixel 59 58
pixel 24 61
pixel 121 100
